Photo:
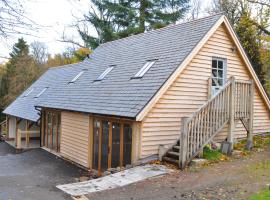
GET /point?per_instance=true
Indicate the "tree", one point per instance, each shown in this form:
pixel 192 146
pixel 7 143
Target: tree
pixel 39 52
pixel 20 71
pixel 13 20
pixel 118 19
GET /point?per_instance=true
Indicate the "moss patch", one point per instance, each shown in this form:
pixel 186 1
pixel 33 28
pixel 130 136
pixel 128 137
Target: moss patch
pixel 262 195
pixel 212 155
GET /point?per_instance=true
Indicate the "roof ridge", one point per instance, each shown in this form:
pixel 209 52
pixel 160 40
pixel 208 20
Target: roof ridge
pixel 160 29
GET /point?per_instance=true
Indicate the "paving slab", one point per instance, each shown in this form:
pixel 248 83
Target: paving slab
pixel 119 179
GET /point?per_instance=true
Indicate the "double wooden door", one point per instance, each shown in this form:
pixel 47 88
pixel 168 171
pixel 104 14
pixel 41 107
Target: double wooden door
pixel 112 144
pixel 51 137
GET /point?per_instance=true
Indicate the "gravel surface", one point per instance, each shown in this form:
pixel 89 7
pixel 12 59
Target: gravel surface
pixel 235 179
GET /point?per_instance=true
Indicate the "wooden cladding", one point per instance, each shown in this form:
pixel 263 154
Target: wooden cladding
pixel 112 144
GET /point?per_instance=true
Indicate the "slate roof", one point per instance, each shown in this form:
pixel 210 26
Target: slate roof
pixel 118 94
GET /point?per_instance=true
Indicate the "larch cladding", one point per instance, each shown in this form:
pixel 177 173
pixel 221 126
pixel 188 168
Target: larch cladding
pixel 190 90
pixel 74 137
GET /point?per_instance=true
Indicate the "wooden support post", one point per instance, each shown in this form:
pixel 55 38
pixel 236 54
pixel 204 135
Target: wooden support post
pixel 42 128
pixel 7 126
pixel 251 115
pixel 26 134
pixel 90 142
pixel 19 139
pixel 183 143
pixel 121 145
pixel 110 146
pixel 209 94
pixel 231 115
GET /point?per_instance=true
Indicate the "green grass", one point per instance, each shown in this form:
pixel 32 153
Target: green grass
pixel 211 155
pixel 262 195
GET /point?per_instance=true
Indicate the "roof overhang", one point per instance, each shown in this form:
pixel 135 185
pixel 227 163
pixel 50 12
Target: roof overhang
pixel 192 54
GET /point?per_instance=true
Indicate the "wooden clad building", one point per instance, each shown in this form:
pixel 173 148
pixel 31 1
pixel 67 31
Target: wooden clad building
pixel 179 87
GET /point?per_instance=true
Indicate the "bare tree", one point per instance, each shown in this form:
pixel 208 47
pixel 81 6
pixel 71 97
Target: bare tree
pixel 195 9
pixel 40 52
pixel 13 19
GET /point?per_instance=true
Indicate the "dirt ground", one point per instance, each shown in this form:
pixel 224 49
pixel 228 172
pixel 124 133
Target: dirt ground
pixel 234 179
pixel 33 175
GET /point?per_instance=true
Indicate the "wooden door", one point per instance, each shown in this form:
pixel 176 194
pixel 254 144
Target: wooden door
pixel 112 142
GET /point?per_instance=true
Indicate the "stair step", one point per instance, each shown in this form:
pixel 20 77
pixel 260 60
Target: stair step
pixel 173 153
pixel 171 160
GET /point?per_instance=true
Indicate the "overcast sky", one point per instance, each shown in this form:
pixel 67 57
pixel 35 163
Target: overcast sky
pixel 55 16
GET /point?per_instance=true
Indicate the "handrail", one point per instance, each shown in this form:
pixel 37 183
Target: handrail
pixel 232 101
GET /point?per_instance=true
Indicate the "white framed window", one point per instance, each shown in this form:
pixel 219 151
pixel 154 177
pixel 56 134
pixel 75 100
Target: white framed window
pixel 77 76
pixel 42 91
pixel 219 70
pixel 28 92
pixel 102 76
pixel 144 69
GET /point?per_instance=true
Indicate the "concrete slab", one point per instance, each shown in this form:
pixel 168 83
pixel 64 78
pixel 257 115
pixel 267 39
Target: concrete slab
pixel 119 179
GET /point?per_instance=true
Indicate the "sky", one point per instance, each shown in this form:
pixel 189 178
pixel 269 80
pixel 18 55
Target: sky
pixel 54 18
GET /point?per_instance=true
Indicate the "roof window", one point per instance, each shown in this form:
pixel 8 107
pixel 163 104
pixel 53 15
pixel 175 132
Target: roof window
pixel 102 76
pixel 144 69
pixel 39 94
pixel 28 92
pixel 77 76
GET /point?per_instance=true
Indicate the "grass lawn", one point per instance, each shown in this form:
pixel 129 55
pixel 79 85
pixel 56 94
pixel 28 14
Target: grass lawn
pixel 262 195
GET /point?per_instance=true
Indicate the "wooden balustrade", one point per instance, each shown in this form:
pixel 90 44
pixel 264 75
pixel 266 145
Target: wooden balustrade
pixel 233 101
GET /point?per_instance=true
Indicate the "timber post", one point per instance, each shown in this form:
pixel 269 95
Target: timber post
pixel 183 143
pixel 251 115
pixel 209 84
pixel 231 114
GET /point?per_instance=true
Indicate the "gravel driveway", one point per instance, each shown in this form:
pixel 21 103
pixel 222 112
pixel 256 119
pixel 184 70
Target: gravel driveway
pixel 33 175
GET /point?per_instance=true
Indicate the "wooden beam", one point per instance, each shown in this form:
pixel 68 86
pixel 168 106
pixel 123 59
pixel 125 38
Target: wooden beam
pixel 27 137
pixel 121 144
pixel 110 146
pixel 57 129
pixel 90 142
pixel 51 131
pixel 42 129
pixel 100 148
pixel 251 117
pixel 231 113
pixel 183 141
pixel 7 126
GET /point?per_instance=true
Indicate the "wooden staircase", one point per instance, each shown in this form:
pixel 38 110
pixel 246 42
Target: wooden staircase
pixel 232 103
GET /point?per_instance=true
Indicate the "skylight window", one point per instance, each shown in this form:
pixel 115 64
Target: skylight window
pixel 102 76
pixel 28 92
pixel 77 76
pixel 39 94
pixel 144 69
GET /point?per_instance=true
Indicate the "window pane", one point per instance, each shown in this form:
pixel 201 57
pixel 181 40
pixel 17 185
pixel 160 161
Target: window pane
pixel 214 63
pixel 115 145
pixel 220 74
pixel 214 82
pixel 105 145
pixel 95 143
pixel 214 72
pixel 127 144
pixel 220 82
pixel 220 64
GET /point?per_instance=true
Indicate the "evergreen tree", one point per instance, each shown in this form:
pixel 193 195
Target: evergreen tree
pixel 117 19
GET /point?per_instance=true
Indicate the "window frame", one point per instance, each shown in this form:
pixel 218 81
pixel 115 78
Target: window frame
pixel 77 76
pixel 42 91
pixel 216 87
pixel 145 68
pixel 104 73
pixel 28 92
